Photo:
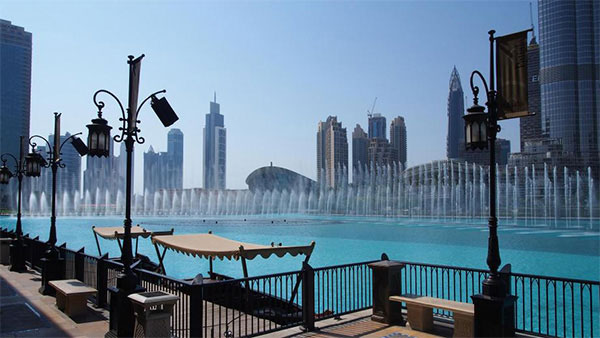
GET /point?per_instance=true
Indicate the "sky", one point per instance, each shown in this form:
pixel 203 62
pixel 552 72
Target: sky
pixel 278 68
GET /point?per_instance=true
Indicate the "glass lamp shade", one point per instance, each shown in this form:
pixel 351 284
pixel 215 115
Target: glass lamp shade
pixel 98 138
pixel 33 164
pixel 5 174
pixel 163 110
pixel 476 128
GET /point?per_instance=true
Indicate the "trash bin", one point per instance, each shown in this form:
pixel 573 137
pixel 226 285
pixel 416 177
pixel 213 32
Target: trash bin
pixel 153 313
pixel 5 250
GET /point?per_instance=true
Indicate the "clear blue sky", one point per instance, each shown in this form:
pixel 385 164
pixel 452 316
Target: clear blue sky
pixel 277 67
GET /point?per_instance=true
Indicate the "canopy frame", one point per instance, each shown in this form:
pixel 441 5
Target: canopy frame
pixel 118 235
pixel 309 249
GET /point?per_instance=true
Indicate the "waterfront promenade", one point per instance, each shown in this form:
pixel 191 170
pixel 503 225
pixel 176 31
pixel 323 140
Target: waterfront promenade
pixel 24 312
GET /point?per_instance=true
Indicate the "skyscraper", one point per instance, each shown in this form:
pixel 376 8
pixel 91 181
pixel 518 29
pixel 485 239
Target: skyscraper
pixel 398 139
pixel 456 126
pixel 377 126
pixel 215 150
pixel 15 92
pixel 332 151
pixel 570 77
pixel 164 170
pixel 69 178
pixel 175 153
pixel 15 96
pixel 360 146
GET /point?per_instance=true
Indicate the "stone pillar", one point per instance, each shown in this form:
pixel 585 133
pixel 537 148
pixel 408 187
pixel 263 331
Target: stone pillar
pixel 494 316
pixel 387 282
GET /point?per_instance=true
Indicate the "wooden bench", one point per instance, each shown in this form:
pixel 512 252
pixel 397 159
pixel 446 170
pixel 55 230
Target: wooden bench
pixel 71 296
pixel 420 313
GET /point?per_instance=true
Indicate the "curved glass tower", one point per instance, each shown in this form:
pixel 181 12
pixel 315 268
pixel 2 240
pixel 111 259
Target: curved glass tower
pixel 570 76
pixel 456 126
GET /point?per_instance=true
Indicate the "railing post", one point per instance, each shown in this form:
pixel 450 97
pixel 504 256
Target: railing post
pixel 196 319
pixel 80 264
pixel 101 280
pixel 308 297
pixel 387 281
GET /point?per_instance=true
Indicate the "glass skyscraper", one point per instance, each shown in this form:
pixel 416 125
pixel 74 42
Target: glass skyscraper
pixel 164 170
pixel 570 77
pixel 398 139
pixel 456 125
pixel 215 148
pixel 15 96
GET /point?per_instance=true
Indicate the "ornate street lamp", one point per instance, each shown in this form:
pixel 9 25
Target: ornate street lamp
pixel 99 145
pixel 494 309
pixel 52 267
pixel 17 259
pixel 5 173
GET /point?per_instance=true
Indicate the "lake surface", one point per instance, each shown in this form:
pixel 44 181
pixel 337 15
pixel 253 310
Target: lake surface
pixel 573 253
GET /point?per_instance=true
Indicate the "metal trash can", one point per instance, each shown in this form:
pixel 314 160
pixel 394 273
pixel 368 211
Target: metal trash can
pixel 153 313
pixel 5 250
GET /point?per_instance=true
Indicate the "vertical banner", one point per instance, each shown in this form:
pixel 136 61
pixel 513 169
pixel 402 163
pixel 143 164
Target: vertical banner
pixel 135 67
pixel 511 72
pixel 56 144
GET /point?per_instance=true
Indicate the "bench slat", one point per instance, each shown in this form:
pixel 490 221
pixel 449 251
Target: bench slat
pixel 444 304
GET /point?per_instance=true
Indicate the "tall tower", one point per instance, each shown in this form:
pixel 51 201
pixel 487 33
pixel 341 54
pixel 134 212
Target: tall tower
pixel 215 150
pixel 175 158
pixel 456 125
pixel 360 146
pixel 15 96
pixel 398 139
pixel 569 77
pixel 332 151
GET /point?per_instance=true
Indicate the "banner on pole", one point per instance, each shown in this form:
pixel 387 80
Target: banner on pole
pixel 135 68
pixel 56 145
pixel 511 72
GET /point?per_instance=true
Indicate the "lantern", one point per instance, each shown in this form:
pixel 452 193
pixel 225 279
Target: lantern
pixel 33 164
pixel 476 128
pixel 5 174
pixel 99 137
pixel 163 110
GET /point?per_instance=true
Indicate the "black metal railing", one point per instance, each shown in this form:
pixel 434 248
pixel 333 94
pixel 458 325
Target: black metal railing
pixel 250 306
pixel 560 307
pixel 342 289
pixel 441 281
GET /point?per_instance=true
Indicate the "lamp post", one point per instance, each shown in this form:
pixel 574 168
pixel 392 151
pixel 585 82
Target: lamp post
pixel 16 255
pixel 494 309
pixel 99 145
pixel 52 267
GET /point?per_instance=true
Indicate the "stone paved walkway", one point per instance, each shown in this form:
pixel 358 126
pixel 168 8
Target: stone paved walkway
pixel 359 324
pixel 24 312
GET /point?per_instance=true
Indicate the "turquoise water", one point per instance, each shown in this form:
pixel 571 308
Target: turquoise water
pixel 572 253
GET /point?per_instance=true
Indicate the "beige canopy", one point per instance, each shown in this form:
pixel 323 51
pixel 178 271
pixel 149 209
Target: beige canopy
pixel 209 246
pixel 119 232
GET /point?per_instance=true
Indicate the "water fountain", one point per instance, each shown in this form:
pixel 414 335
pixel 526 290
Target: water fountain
pixel 445 190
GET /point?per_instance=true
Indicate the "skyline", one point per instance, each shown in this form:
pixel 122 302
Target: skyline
pixel 294 71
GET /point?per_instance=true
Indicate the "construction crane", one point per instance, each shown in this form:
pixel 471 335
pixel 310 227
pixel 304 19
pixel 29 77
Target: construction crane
pixel 371 112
